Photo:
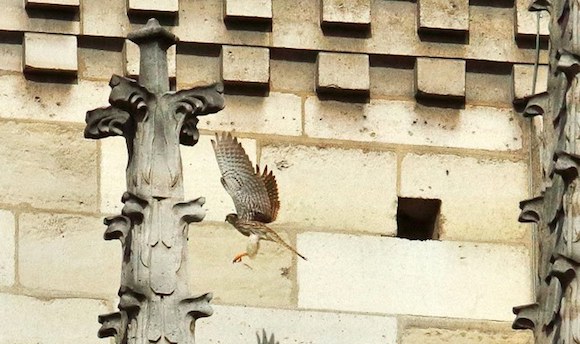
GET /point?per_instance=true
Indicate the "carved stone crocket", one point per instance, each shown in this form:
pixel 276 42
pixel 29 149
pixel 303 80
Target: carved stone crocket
pixel 255 195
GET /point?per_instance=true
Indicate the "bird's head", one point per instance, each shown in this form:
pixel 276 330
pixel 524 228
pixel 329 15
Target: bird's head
pixel 232 218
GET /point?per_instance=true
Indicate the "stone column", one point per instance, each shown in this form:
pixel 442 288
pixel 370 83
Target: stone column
pixel 155 306
pixel 556 209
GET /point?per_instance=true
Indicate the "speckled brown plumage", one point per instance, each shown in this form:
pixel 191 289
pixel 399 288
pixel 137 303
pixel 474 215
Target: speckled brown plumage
pixel 255 194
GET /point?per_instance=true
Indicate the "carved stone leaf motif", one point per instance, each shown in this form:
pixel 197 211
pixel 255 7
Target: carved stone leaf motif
pixel 155 306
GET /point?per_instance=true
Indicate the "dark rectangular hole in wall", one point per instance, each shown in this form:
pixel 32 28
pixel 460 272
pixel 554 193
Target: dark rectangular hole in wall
pixel 417 218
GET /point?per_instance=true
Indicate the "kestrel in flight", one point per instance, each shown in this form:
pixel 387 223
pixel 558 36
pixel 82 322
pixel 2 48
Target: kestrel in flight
pixel 255 195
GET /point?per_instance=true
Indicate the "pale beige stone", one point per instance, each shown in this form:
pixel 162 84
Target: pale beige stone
pixel 278 113
pixel 262 281
pixel 443 15
pixel 342 72
pixel 14 17
pixel 479 197
pixel 197 69
pixel 440 78
pixel 171 6
pixel 486 86
pixel 392 81
pixel 248 9
pixel 132 60
pixel 245 65
pixel 409 123
pixel 11 56
pixel 113 184
pixel 50 53
pixel 464 336
pixel 47 166
pixel 205 24
pixel 106 18
pixel 356 12
pixel 28 320
pixel 400 276
pixel 28 99
pixel 293 76
pixel 523 78
pixel 240 324
pixel 67 253
pixel 57 4
pixel 320 188
pixel 7 248
pixel 527 22
pixel 100 63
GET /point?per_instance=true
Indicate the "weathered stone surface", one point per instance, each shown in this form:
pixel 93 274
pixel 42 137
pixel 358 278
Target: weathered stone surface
pixel 200 170
pixel 356 12
pixel 487 87
pixel 318 188
pixel 278 113
pixel 240 325
pixel 403 122
pixel 204 23
pixel 433 278
pixel 444 15
pixel 382 82
pixel 52 168
pixel 170 6
pixel 27 320
pixel 491 29
pixel 50 53
pixel 105 18
pixel 263 281
pixel 440 78
pixel 28 99
pixel 292 76
pixel 248 9
pixel 11 57
pixel 245 65
pixel 527 22
pixel 7 248
pixel 67 253
pixel 132 58
pixel 14 17
pixel 343 72
pixel 464 336
pixel 523 78
pixel 470 190
pixel 56 4
pixel 196 70
pixel 99 64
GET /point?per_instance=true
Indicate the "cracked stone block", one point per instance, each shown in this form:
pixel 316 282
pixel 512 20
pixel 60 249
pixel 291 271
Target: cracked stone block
pixel 527 22
pixel 343 73
pixel 245 65
pixel 523 78
pixel 50 53
pixel 132 56
pixel 352 13
pixel 248 10
pixel 443 15
pixel 158 6
pixel 53 4
pixel 440 78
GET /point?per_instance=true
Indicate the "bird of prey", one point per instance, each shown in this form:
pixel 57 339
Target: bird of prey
pixel 255 195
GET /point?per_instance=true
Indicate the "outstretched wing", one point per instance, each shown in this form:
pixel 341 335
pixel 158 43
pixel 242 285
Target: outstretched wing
pixel 255 195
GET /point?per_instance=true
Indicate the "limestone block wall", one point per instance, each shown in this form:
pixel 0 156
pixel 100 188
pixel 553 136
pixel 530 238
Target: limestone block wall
pixel 361 108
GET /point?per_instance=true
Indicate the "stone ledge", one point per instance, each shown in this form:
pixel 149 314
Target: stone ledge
pixel 440 79
pixel 343 73
pixel 50 53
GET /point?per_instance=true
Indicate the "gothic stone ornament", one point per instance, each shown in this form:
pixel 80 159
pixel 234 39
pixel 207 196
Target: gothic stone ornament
pixel 554 317
pixel 155 306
